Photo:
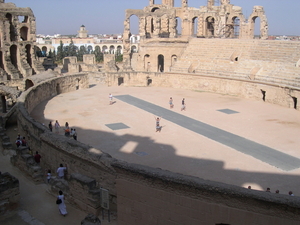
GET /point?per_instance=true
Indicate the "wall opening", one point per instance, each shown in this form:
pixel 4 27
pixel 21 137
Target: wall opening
pixel 3 103
pixel 210 26
pixel 104 49
pixel 120 81
pixel 112 49
pixel 24 33
pixel 255 27
pixel 28 55
pixel 195 26
pixel 12 29
pixel 295 100
pixel 263 94
pixel 178 27
pixel 160 63
pixel 28 84
pixel 58 91
pixel 149 81
pixel 13 55
pixel 133 49
pixel 146 63
pixel 236 27
pixel 134 25
pixel 1 60
pixel 173 60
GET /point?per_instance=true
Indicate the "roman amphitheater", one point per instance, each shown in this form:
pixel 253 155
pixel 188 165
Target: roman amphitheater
pixel 240 127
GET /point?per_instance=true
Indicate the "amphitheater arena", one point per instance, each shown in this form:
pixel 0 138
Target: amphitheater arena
pixel 261 70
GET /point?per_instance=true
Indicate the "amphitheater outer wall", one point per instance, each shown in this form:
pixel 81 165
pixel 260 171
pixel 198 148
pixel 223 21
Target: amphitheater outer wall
pixel 249 89
pixel 139 194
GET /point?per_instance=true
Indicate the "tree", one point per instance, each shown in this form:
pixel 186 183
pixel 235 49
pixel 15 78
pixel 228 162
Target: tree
pixel 82 50
pixel 60 52
pixel 72 49
pixel 98 54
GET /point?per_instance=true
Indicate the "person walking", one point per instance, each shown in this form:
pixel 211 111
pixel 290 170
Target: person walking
pixel 61 171
pixel 37 157
pixel 110 98
pixel 158 127
pixel 62 206
pixel 183 104
pixel 50 126
pixel 56 126
pixel 171 103
pixel 74 134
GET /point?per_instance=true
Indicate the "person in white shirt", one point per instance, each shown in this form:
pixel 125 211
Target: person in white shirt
pixel 61 171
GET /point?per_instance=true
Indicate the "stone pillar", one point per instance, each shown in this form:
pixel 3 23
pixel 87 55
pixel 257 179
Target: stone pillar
pixel 225 2
pixel 142 26
pixel 157 27
pixel 184 3
pixel 3 102
pixel 210 3
pixel 173 32
pixel 151 2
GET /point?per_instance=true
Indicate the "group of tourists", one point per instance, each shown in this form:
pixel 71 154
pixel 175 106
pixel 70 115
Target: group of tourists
pixel 21 141
pixel 68 132
pixel 183 105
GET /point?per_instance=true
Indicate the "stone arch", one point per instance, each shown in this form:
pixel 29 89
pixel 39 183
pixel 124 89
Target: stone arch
pixel 28 84
pixel 178 26
pixel 134 24
pixel 233 27
pixel 253 24
pixel 133 49
pixel 90 49
pixel 173 59
pixel 154 9
pixel 104 49
pixel 210 26
pixel 119 49
pixel 44 51
pixel 13 55
pixel 28 55
pixel 258 12
pixel 147 64
pixel 12 29
pixel 149 26
pixel 160 63
pixel 195 21
pixel 112 49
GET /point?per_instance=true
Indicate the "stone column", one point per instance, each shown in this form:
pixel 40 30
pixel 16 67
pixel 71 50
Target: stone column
pixel 184 3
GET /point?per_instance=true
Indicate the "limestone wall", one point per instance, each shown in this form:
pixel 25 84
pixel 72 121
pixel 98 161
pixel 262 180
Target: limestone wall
pixel 152 196
pixel 249 89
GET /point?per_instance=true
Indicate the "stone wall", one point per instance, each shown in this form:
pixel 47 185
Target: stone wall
pixel 211 83
pixel 152 196
pixel 9 194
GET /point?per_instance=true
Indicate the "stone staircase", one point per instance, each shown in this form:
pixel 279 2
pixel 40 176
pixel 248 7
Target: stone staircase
pixel 262 60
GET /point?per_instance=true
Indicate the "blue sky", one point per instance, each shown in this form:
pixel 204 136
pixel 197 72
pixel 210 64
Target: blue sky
pixel 107 16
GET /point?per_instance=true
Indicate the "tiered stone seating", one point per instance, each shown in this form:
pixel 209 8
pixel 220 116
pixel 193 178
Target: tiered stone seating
pixel 261 60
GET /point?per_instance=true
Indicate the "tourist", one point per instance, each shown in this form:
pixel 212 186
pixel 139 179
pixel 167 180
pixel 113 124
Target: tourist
pixel 18 142
pixel 182 104
pixel 291 193
pixel 37 157
pixel 157 121
pixel 24 142
pixel 249 187
pixel 56 126
pixel 61 171
pixel 268 190
pixel 74 134
pixel 62 206
pixel 277 191
pixel 171 103
pixel 48 176
pixel 50 126
pixel 110 98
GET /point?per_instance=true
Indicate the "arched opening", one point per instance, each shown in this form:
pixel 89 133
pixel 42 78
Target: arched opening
pixel 133 49
pixel 178 27
pixel 44 51
pixel 134 24
pixel 255 27
pixel 154 9
pixel 12 29
pixel 210 26
pixel 104 49
pixel 173 60
pixel 120 80
pixel 28 55
pixel 119 50
pixel 236 27
pixel 147 64
pixel 112 49
pixel 28 84
pixel 149 27
pixel 13 55
pixel 195 26
pixel 160 63
pixel 90 49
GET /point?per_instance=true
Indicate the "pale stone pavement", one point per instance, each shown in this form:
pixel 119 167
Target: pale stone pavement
pixel 176 148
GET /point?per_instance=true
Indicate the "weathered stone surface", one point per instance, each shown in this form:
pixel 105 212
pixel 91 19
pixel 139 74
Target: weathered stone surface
pixel 91 220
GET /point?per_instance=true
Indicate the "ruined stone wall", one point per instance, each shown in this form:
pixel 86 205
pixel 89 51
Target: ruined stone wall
pixel 88 162
pixel 148 196
pixel 212 83
pixel 9 195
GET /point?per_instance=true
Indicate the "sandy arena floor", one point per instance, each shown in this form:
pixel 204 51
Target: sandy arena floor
pixel 178 149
